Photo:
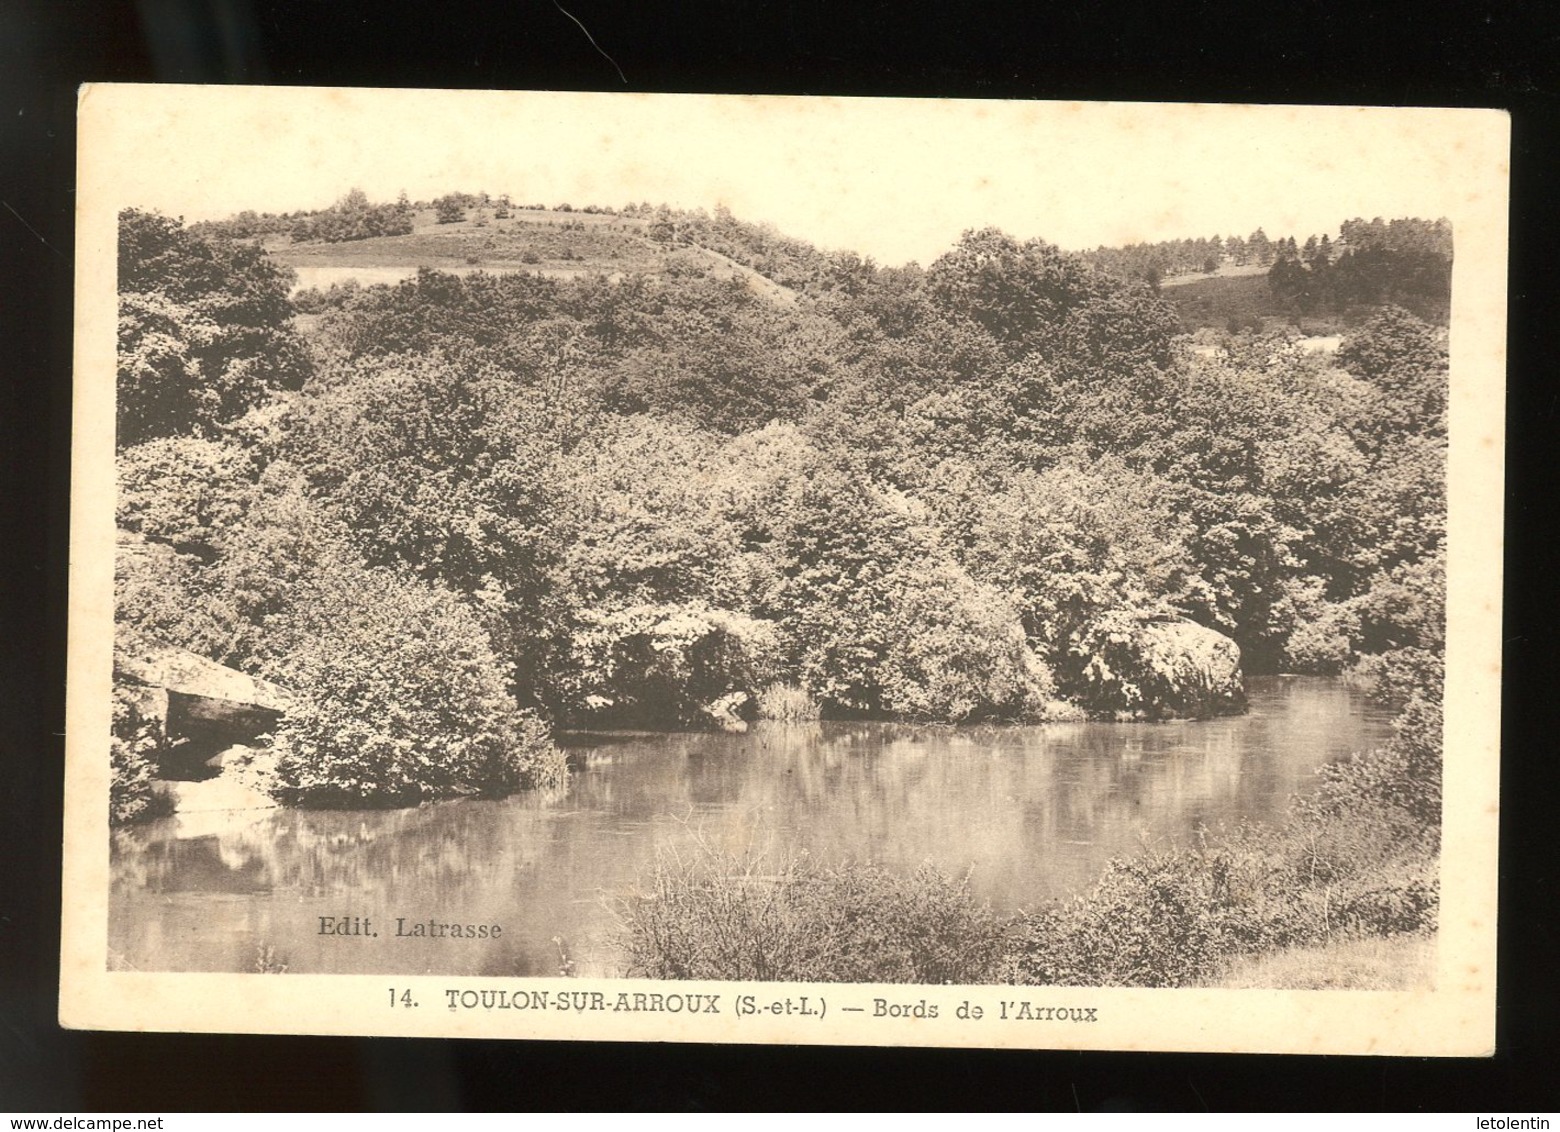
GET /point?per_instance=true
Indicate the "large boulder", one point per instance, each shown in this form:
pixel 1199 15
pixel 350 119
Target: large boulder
pixel 196 699
pixel 730 712
pixel 1161 668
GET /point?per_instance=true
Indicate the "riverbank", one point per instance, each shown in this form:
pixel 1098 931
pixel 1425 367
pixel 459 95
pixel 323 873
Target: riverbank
pixel 978 801
pixel 1392 963
pixel 1356 861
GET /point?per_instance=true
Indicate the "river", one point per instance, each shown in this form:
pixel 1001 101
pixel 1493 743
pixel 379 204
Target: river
pixel 1029 813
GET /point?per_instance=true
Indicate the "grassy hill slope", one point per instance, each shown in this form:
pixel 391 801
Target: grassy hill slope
pixel 557 244
pixel 1237 294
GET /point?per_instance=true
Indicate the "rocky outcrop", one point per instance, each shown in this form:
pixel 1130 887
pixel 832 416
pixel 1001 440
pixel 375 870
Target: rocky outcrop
pixel 1189 670
pixel 1160 668
pixel 244 780
pixel 729 712
pixel 196 699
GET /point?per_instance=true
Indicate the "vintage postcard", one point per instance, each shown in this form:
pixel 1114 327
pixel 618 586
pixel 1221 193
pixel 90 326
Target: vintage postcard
pixel 788 570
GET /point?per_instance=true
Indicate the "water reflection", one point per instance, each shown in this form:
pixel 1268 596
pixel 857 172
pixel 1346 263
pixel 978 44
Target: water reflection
pixel 1029 813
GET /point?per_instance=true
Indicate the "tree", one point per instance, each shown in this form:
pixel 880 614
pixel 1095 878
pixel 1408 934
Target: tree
pixel 184 491
pixel 1405 359
pixel 133 744
pixel 450 470
pixel 204 330
pixel 1073 543
pixel 1259 248
pixel 399 699
pixel 449 209
pixel 353 217
pixel 1290 282
pixel 956 650
pixel 1014 290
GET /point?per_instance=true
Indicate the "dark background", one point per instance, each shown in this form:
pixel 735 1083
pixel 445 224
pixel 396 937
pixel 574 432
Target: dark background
pixel 1480 54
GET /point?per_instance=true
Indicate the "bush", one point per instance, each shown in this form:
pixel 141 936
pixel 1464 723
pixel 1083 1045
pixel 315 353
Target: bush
pixel 132 742
pixel 711 915
pixel 204 330
pixel 1358 858
pixel 787 703
pixel 664 663
pixel 400 700
pixel 1322 641
pixel 956 652
pixel 1400 781
pixel 1402 899
pixel 1162 919
pixel 183 491
pixel 354 218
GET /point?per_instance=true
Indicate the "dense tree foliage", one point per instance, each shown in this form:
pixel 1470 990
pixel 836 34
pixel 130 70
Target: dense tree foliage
pixel 354 218
pixel 204 331
pixel 1240 281
pixel 1405 262
pixel 1168 257
pixel 936 494
pixel 403 699
pixel 133 742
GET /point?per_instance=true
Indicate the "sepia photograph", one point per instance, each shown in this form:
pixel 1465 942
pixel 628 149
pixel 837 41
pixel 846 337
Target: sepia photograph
pixel 852 571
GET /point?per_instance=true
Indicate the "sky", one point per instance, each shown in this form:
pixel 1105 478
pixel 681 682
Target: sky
pixel 894 179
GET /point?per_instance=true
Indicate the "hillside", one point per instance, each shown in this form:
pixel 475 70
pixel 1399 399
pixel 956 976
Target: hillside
pixel 1235 298
pixel 1322 285
pixel 460 515
pixel 556 244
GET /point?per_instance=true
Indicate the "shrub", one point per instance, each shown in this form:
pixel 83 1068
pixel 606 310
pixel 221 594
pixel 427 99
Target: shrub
pixel 1402 619
pixel 712 915
pixel 1162 919
pixel 1402 899
pixel 183 491
pixel 1399 781
pixel 1358 858
pixel 1322 640
pixel 787 703
pixel 957 652
pixel 400 700
pixel 132 742
pixel 663 663
pixel 1171 917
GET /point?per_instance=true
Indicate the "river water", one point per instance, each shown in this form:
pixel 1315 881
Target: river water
pixel 1029 813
